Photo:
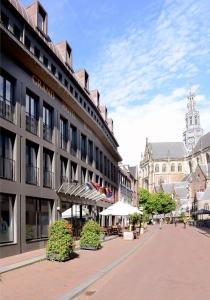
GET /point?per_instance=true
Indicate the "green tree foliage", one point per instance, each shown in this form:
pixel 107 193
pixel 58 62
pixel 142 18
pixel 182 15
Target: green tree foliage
pixel 153 203
pixel 60 244
pixel 134 218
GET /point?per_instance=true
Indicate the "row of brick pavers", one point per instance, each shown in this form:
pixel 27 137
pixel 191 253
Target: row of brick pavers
pixel 21 260
pixel 52 280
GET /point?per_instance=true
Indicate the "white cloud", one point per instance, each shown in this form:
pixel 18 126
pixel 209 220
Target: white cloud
pixel 140 73
pixel 161 119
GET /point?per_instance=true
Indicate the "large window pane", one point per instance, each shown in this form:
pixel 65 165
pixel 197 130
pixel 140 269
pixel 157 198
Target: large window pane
pixel 6 218
pixel 38 216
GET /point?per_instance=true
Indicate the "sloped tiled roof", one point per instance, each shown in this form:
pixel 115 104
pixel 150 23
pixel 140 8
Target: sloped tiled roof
pixel 181 192
pixel 167 150
pixel 168 187
pixel 203 143
pixel 206 195
pixel 206 170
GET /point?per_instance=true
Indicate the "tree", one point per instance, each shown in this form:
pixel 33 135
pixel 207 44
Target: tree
pixel 164 203
pixel 144 196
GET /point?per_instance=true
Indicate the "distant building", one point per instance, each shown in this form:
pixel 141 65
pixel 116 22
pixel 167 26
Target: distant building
pixel 128 184
pixel 180 169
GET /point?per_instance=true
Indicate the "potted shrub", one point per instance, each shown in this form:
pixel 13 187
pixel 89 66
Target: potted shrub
pixel 133 220
pixel 60 245
pixel 90 236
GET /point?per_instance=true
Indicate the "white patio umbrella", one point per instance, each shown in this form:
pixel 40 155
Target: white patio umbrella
pixel 120 209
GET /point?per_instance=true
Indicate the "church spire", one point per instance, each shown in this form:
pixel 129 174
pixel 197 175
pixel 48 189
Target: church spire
pixel 193 130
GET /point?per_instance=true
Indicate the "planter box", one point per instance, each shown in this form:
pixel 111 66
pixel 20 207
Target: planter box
pixel 128 235
pixel 141 231
pixel 89 247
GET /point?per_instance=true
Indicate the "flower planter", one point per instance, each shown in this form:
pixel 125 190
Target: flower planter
pixel 89 247
pixel 128 235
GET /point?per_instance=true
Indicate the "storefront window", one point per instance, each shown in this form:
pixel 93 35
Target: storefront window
pixel 38 218
pixel 6 218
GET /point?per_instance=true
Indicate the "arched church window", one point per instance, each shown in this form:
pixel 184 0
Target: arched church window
pixel 190 120
pixel 164 168
pixel 179 167
pixel 172 167
pixel 157 168
pixel 196 120
pixel 206 206
pixel 207 158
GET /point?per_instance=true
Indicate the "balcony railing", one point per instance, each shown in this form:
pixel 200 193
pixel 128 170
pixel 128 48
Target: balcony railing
pixel 47 132
pixel 7 168
pixel 31 124
pixel 63 142
pixel 48 179
pixel 7 109
pixel 32 175
pixel 73 149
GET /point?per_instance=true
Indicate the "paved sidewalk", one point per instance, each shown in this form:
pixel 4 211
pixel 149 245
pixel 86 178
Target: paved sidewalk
pixel 53 280
pixel 204 231
pixel 24 259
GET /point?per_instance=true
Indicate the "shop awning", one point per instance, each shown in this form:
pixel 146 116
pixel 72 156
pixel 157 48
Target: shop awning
pixel 120 209
pixel 82 194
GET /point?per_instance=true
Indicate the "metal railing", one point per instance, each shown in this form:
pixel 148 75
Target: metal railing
pixel 7 168
pixel 63 142
pixel 73 149
pixel 48 179
pixel 32 174
pixel 31 124
pixel 7 109
pixel 47 132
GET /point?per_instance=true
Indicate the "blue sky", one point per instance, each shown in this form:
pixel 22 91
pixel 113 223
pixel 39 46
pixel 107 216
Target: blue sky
pixel 142 56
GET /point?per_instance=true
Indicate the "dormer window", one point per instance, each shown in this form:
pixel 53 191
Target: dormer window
pixel 41 17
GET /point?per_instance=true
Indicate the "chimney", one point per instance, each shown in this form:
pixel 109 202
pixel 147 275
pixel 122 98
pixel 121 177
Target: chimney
pixel 95 96
pixel 103 111
pixel 110 124
pixel 39 16
pixel 65 52
pixel 83 77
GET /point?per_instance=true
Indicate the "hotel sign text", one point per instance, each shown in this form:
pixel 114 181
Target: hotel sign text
pixel 43 86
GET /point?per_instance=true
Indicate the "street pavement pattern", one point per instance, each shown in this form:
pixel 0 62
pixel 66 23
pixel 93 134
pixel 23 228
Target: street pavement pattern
pixel 173 265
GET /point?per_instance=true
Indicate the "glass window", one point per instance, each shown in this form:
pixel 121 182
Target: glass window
pixel 6 218
pixel 83 147
pixel 63 169
pixel 31 163
pixel 38 218
pixel 157 168
pixel 164 168
pixel 172 167
pixel 73 134
pixel 6 155
pixel 47 122
pixel 63 133
pixel 31 113
pixel 73 171
pixel 179 167
pixel 40 21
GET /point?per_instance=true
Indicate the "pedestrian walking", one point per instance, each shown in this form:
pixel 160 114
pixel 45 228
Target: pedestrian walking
pixel 175 222
pixel 185 223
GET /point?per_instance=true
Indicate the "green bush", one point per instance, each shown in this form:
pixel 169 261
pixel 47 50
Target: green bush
pixel 92 226
pixel 60 244
pixel 90 235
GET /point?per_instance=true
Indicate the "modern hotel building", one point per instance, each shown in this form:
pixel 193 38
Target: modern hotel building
pixel 55 136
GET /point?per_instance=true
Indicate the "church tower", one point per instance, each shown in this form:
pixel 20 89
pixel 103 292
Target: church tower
pixel 192 119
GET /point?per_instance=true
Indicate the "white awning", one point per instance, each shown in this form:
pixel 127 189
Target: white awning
pixel 120 209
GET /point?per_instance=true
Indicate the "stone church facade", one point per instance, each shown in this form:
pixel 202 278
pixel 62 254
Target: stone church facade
pixel 181 169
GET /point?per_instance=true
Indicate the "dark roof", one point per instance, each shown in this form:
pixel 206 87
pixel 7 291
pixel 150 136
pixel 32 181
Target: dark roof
pixel 167 150
pixel 202 143
pixel 134 171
